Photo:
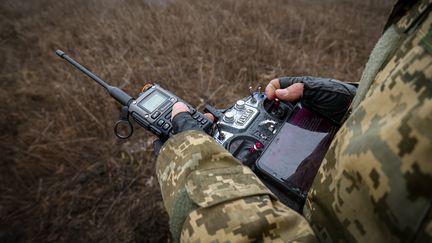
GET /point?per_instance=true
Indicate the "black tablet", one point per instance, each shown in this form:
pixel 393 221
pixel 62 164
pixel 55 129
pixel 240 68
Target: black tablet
pixel 297 150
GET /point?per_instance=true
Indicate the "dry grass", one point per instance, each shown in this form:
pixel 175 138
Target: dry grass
pixel 64 176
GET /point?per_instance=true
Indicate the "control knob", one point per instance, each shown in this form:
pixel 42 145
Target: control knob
pixel 240 105
pixel 229 116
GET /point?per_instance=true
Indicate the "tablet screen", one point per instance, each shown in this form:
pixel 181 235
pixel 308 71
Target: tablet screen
pixel 295 154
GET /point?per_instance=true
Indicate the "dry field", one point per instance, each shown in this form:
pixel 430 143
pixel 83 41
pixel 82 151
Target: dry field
pixel 64 177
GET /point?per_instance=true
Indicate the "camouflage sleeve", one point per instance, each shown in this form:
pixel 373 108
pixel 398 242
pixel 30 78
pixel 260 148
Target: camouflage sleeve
pixel 211 197
pixel 374 184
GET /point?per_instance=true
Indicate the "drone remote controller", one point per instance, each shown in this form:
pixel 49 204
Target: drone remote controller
pixel 282 142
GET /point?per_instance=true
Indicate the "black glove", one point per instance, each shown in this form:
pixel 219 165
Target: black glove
pixel 329 97
pixel 181 122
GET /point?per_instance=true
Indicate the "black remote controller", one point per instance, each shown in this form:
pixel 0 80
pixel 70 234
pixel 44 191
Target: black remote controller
pixel 152 110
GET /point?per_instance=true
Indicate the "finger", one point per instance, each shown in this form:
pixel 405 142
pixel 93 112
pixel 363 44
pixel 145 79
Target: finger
pixel 209 116
pixel 292 93
pixel 271 88
pixel 177 108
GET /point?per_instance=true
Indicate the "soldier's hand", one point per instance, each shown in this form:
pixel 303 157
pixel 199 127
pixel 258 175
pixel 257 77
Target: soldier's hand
pixel 288 93
pixel 181 121
pixel 328 97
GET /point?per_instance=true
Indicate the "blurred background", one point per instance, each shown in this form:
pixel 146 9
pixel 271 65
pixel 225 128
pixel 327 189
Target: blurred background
pixel 64 177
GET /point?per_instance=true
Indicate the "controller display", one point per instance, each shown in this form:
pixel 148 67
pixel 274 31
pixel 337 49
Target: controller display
pixel 151 102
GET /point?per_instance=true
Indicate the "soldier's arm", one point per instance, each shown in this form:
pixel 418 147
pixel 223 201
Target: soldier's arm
pixel 210 196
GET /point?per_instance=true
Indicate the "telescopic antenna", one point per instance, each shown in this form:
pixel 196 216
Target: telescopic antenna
pixel 115 92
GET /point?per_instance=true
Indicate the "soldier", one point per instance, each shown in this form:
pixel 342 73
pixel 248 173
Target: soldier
pixel 374 183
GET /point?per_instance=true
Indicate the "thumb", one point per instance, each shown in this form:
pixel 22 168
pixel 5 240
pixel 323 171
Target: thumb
pixel 177 108
pixel 292 93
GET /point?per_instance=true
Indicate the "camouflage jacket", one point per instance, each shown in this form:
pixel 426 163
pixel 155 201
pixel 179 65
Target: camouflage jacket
pixel 373 185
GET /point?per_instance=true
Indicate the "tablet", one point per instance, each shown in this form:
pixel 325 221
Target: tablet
pixel 297 150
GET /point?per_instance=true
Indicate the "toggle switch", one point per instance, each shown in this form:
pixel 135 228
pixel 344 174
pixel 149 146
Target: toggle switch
pixel 276 104
pixel 253 100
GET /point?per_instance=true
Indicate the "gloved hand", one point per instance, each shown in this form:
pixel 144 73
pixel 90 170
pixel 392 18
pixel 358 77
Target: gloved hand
pixel 329 97
pixel 182 121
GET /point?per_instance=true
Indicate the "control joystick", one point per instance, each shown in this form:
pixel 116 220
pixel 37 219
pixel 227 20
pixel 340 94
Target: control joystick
pixel 276 104
pixel 275 108
pixel 246 149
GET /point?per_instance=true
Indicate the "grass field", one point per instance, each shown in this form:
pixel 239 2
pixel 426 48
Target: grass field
pixel 64 177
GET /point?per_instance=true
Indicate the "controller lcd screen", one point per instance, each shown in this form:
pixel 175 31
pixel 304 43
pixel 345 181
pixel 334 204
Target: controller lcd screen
pixel 296 152
pixel 151 102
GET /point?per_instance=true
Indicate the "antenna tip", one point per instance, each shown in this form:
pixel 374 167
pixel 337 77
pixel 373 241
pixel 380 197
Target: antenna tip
pixel 60 53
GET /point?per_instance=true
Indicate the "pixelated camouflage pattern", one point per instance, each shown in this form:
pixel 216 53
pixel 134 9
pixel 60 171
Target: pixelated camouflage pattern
pixel 212 186
pixel 412 15
pixel 375 183
pixel 231 202
pixel 250 219
pixel 184 153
